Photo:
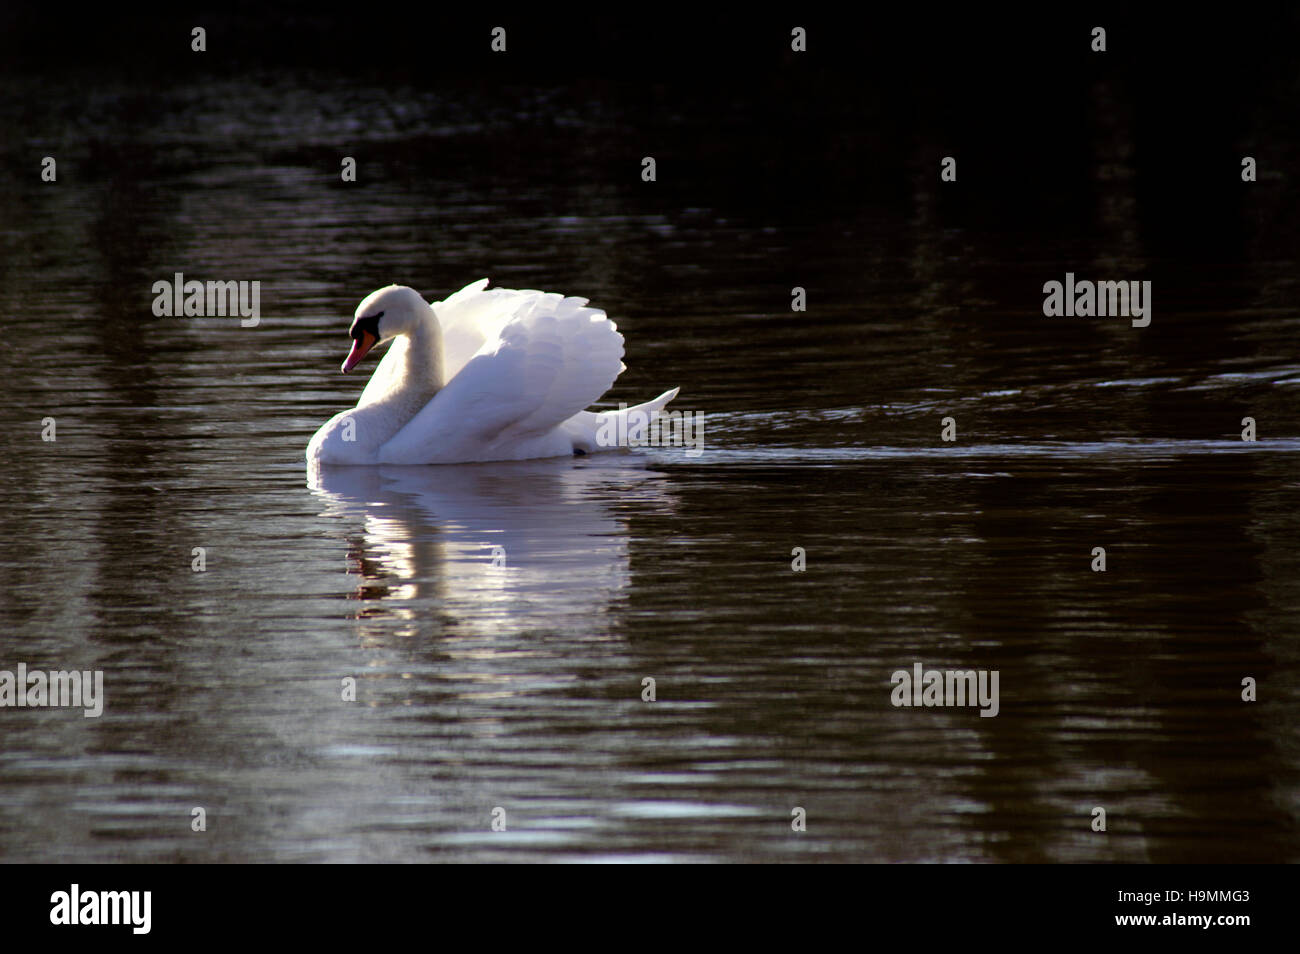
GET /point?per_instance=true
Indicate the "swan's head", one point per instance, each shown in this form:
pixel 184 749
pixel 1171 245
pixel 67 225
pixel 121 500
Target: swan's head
pixel 383 314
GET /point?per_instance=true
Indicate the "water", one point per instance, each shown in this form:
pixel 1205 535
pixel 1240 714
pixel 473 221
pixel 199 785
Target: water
pixel 520 686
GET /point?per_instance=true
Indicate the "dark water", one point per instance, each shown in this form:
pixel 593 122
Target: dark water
pixel 519 687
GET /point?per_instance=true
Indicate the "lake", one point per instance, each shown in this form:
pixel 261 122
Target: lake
pixel 826 537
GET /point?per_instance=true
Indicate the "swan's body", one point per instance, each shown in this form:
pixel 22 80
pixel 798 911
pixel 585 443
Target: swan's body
pixel 484 375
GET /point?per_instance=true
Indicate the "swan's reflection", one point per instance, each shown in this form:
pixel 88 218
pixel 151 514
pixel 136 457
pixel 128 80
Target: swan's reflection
pixel 490 549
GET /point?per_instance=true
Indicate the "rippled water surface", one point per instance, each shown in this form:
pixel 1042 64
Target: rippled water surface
pixel 520 686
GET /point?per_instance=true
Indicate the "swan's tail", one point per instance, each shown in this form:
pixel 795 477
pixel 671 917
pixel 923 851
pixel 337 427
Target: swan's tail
pixel 608 430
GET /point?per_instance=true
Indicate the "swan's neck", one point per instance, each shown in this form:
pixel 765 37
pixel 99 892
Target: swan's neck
pixel 423 359
pixel 416 371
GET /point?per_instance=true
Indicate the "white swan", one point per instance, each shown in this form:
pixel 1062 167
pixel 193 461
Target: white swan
pixel 484 375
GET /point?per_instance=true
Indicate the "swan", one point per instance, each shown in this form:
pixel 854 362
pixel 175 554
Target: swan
pixel 483 375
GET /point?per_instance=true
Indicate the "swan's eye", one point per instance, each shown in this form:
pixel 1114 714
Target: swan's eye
pixel 368 323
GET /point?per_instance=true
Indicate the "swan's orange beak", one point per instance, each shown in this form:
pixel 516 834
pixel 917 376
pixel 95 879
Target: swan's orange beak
pixel 360 346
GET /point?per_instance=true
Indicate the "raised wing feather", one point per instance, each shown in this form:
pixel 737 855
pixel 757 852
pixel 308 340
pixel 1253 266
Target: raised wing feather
pixel 549 358
pixel 472 317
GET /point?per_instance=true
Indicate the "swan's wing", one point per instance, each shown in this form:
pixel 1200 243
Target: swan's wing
pixel 476 315
pixel 551 358
pixel 462 318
